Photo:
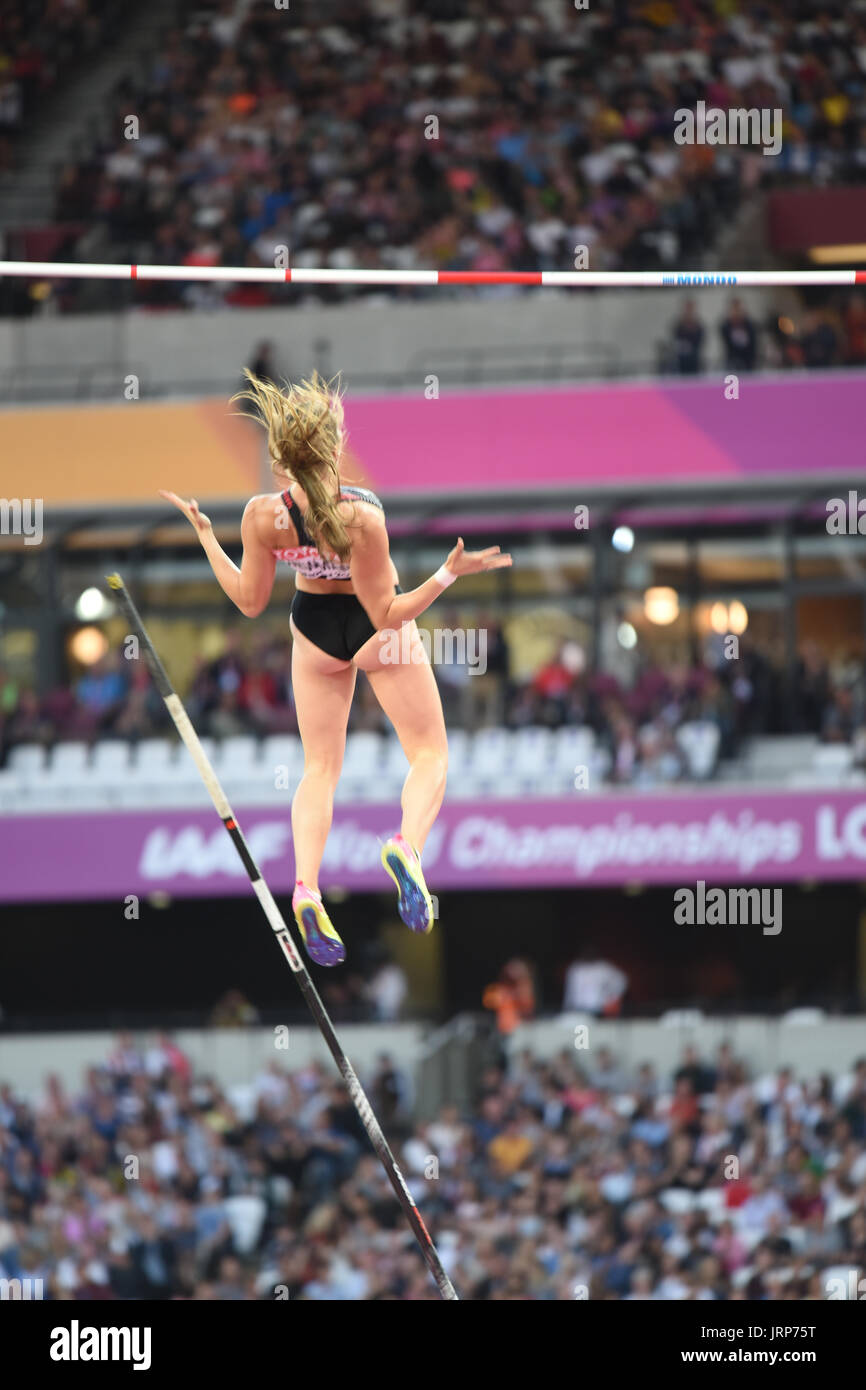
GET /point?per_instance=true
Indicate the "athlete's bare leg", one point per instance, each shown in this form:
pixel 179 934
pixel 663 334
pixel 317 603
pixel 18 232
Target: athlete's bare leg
pixel 323 689
pixel 408 694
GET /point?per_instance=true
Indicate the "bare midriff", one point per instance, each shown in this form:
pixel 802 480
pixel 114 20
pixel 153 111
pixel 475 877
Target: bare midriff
pixel 304 583
pixel 323 586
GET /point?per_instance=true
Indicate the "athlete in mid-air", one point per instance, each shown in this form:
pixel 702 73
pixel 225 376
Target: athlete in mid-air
pixel 347 596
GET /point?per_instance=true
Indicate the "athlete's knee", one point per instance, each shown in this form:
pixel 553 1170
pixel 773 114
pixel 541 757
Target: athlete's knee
pixel 434 757
pixel 325 767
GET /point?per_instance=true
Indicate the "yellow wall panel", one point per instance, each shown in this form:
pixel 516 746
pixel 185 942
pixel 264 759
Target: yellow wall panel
pixel 124 453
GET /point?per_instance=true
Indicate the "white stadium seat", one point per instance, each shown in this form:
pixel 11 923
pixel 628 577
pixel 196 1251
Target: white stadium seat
pixel 66 782
pixel 283 751
pixel 833 758
pixel 532 758
pixel 26 758
pixel 699 742
pixel 69 759
pixel 156 752
pixel 489 761
pixel 574 746
pixel 240 751
pixel 10 789
pixel 361 778
pixel 111 758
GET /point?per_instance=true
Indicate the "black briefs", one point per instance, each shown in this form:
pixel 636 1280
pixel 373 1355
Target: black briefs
pixel 335 623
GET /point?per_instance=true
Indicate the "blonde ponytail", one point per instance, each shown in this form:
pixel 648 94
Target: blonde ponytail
pixel 305 440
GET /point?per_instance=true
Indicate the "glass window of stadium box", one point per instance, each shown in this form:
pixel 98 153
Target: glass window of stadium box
pixel 829 582
pixel 820 557
pixel 706 611
pixel 659 594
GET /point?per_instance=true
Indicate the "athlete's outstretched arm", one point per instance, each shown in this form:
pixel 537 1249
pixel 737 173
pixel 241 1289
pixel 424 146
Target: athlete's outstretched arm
pixel 249 587
pixel 371 576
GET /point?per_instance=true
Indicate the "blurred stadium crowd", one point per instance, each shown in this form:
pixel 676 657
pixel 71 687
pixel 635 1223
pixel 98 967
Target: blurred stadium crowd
pixel 555 131
pixel 635 724
pixel 43 43
pixel 570 1178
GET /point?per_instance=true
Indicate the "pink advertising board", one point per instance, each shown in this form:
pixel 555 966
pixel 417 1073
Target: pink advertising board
pixel 735 837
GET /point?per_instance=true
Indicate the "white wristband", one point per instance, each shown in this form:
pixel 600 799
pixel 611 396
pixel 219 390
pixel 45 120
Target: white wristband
pixel 444 576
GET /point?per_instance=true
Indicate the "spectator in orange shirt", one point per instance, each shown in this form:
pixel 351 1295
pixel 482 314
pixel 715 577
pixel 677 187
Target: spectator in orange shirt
pixel 509 1150
pixel 512 996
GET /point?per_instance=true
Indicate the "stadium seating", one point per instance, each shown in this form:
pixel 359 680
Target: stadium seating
pixel 492 762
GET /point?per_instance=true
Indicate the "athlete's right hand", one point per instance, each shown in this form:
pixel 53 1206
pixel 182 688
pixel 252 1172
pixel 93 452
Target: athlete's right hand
pixel 462 561
pixel 190 510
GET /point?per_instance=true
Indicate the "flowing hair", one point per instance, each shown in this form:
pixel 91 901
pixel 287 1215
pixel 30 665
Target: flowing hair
pixel 305 440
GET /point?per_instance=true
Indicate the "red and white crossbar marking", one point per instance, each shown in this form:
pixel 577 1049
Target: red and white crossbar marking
pixel 571 279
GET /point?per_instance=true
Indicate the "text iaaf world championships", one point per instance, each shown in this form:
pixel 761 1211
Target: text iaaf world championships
pixel 479 840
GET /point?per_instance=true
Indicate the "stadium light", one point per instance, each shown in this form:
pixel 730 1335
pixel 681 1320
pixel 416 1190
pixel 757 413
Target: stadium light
pixel 88 645
pixel 661 605
pixel 92 605
pixel 719 618
pixel 738 617
pixel 726 618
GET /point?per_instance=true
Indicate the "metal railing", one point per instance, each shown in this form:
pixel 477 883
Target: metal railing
pixel 452 1062
pixel 455 367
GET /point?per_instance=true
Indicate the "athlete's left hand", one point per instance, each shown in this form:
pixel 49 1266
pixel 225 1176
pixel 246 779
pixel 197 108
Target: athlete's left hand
pixel 462 561
pixel 189 509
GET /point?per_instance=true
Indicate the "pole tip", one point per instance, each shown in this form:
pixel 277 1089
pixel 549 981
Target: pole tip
pixel 114 580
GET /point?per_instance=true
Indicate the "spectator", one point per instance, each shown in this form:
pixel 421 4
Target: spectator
pixel 510 1149
pixel 688 341
pixel 102 690
pixel 263 364
pixel 701 1078
pixel 233 1011
pixel 512 996
pixel 388 1091
pixel 544 1184
pixel 26 723
pixel 164 1059
pixel 740 339
pixel 855 331
pixel 387 990
pixel 818 340
pixel 554 682
pixel 594 985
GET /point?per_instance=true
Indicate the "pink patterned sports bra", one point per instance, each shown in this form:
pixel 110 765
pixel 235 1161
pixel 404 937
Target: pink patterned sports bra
pixel 305 558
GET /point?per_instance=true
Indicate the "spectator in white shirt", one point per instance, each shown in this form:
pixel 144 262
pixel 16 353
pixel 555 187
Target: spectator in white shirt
pixel 594 985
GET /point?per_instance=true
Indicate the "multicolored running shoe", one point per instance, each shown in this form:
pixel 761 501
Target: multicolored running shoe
pixel 324 946
pixel 403 863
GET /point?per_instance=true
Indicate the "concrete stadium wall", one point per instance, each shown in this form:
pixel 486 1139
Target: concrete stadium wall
pixel 235 1058
pixel 372 340
pixel 764 1044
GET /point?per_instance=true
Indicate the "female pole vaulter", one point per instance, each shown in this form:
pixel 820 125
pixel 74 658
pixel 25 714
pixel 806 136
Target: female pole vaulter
pixel 347 596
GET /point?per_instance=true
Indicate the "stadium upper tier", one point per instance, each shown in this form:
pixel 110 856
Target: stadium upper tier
pixel 413 134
